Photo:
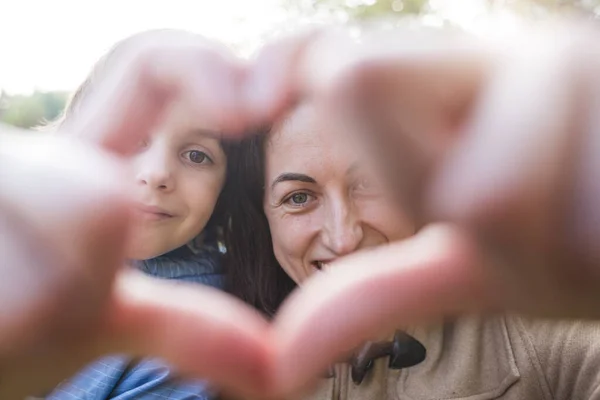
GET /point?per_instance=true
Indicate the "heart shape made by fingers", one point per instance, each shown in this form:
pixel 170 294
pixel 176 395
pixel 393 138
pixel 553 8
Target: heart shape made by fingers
pixel 68 253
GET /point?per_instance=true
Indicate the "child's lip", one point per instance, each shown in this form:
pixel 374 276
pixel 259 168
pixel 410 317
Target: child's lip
pixel 155 211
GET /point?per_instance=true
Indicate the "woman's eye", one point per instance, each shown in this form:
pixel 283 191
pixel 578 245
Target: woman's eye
pixel 299 199
pixel 197 157
pixel 367 187
pixel 364 184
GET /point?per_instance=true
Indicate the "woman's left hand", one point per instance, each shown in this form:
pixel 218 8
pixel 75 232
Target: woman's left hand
pixel 435 273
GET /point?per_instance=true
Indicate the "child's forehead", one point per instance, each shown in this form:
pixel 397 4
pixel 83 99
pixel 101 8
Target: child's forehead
pixel 183 123
pixel 189 134
pixel 183 116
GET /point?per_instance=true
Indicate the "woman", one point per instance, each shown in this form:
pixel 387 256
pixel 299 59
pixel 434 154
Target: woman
pixel 310 196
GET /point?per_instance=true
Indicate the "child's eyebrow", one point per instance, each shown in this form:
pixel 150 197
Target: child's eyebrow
pixel 206 133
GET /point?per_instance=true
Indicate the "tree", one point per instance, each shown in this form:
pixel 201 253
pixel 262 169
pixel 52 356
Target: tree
pixel 358 9
pixel 27 111
pixel 368 9
pixel 373 9
pixel 542 8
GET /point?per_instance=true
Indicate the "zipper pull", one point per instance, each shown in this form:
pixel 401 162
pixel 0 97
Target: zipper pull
pixel 406 351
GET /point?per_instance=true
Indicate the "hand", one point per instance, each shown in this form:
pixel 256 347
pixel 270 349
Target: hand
pixel 501 138
pixel 64 218
pixel 372 292
pixel 65 295
pixel 48 241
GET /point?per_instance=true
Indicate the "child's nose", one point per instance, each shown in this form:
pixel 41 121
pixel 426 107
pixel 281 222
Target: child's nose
pixel 157 176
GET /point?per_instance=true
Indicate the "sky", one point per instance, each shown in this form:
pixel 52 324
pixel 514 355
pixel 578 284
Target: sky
pixel 52 44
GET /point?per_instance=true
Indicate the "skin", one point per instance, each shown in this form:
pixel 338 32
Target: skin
pixel 179 173
pixel 496 137
pixel 324 199
pixel 56 250
pixel 464 139
pixel 66 299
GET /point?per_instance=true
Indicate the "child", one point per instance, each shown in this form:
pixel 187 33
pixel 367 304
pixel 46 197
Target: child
pixel 179 177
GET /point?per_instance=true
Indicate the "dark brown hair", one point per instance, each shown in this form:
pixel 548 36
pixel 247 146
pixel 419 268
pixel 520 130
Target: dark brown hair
pixel 253 273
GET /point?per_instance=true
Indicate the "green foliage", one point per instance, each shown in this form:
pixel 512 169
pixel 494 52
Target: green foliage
pixel 359 9
pixel 27 111
pixel 32 110
pixel 541 8
pixel 367 9
pixel 374 9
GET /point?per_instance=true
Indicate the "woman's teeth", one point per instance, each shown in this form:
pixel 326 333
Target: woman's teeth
pixel 320 265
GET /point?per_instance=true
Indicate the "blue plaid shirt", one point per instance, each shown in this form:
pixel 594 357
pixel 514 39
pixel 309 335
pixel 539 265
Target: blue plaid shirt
pixel 119 377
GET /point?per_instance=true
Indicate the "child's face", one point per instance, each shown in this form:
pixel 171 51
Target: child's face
pixel 179 175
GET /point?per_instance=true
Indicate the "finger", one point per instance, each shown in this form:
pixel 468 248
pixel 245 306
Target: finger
pixel 203 332
pixel 365 295
pixel 145 75
pixel 333 56
pixel 271 86
pixel 408 100
pixel 71 195
pixel 63 221
pixel 510 180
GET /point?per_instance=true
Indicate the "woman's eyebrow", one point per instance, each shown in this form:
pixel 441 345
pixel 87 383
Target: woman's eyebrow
pixel 292 176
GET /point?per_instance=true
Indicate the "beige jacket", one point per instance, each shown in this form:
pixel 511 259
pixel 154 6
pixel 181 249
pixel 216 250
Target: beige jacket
pixel 504 357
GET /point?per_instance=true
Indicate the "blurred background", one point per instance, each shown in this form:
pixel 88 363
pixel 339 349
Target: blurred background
pixel 48 46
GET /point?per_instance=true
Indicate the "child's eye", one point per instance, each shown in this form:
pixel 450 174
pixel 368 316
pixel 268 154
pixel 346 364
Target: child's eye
pixel 197 157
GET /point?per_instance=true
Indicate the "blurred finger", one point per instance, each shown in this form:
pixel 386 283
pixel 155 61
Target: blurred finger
pixel 71 195
pixel 204 332
pixel 63 222
pixel 414 281
pixel 271 87
pixel 409 92
pixel 510 180
pixel 149 73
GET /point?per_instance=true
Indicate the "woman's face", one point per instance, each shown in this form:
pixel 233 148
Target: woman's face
pixel 179 175
pixel 323 196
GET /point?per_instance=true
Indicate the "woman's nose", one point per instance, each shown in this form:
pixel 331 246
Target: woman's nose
pixel 343 231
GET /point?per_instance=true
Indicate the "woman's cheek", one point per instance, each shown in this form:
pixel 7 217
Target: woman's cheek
pixel 297 237
pixel 390 220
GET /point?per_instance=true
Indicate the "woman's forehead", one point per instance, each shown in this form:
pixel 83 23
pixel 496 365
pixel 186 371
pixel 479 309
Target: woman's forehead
pixel 309 141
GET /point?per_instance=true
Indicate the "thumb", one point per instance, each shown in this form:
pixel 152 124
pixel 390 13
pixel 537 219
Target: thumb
pixel 413 281
pixel 202 331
